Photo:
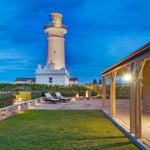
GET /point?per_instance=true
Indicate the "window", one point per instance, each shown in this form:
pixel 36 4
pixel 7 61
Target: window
pixel 50 79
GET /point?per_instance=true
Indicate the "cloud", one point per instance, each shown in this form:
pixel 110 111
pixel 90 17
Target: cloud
pixel 99 33
pixel 94 18
pixel 9 64
pixel 11 68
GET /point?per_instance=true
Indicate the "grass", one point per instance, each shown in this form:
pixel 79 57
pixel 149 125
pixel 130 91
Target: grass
pixel 61 130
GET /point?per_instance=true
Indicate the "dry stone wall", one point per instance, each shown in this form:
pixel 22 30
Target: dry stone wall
pixel 16 108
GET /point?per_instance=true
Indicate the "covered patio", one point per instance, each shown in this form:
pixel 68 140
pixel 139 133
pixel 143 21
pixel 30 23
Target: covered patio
pixel 135 112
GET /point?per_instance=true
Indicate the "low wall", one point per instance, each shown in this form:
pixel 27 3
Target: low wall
pixel 16 108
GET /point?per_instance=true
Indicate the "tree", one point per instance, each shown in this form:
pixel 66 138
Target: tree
pixel 94 81
pixel 100 81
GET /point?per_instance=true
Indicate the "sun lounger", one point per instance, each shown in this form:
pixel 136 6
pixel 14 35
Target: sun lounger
pixel 51 99
pixel 62 98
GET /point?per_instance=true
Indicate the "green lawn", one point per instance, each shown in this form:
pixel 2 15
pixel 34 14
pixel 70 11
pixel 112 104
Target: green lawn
pixel 61 130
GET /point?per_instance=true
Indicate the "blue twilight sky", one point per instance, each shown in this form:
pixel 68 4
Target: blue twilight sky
pixel 100 33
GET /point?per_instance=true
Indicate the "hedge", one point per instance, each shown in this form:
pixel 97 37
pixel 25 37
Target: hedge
pixel 36 94
pixel 122 92
pixel 6 99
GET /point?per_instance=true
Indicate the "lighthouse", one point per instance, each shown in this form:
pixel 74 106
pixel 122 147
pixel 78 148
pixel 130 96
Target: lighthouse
pixel 54 72
pixel 56 31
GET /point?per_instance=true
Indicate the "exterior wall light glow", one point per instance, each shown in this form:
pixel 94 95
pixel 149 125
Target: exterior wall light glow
pixel 20 99
pixel 77 95
pixel 127 77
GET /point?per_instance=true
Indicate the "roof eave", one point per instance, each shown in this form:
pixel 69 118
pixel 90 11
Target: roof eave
pixel 121 62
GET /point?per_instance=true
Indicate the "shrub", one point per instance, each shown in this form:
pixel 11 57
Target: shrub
pixel 36 94
pixel 122 92
pixel 23 95
pixel 93 93
pixel 69 90
pixel 21 88
pixel 6 99
pixel 69 93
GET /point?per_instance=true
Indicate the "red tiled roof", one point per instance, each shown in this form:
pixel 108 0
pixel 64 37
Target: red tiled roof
pixel 25 79
pixel 73 79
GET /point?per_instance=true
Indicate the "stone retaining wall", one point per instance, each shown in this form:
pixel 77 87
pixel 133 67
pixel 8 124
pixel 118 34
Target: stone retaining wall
pixel 16 108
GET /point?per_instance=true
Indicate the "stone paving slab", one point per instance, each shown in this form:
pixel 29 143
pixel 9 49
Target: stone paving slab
pixel 72 105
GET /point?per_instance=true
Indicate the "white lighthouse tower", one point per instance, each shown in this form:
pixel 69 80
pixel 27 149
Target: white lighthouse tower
pixel 56 31
pixel 54 71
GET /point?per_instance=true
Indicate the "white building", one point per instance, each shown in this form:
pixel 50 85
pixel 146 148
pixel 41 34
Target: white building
pixel 25 80
pixel 54 71
pixel 73 81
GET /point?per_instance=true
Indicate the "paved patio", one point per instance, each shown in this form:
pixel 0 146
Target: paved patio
pixel 72 105
pixel 123 117
pixel 122 114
